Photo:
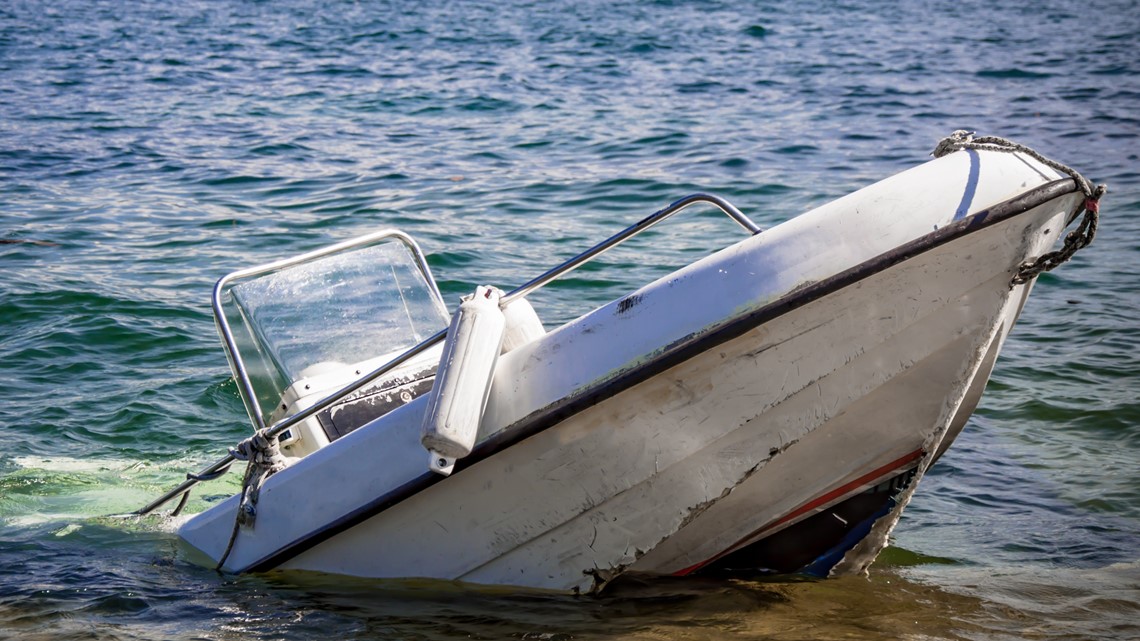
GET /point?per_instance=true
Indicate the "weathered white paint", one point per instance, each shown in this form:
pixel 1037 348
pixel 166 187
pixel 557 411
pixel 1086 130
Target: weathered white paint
pixel 714 452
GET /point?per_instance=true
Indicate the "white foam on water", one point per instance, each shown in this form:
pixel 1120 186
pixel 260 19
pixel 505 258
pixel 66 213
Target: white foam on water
pixel 70 464
pixel 98 488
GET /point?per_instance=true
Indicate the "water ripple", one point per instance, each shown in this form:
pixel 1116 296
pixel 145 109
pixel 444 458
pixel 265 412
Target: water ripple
pixel 147 149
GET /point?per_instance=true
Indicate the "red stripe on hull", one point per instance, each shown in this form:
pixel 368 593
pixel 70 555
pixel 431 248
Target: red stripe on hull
pixel 813 504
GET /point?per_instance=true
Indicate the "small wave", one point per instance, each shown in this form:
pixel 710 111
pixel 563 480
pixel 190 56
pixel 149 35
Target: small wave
pixel 797 149
pixel 242 180
pixel 757 31
pixel 1012 73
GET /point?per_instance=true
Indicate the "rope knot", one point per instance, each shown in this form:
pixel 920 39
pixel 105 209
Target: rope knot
pixel 263 454
pixel 1092 201
pixel 262 450
pixel 955 141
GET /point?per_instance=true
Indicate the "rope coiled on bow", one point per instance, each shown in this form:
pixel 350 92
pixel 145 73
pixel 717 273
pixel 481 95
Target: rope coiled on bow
pixel 1075 240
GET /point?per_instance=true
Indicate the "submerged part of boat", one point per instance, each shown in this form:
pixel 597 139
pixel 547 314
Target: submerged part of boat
pixel 769 408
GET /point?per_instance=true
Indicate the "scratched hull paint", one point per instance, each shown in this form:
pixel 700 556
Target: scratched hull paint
pixel 886 377
pixel 699 414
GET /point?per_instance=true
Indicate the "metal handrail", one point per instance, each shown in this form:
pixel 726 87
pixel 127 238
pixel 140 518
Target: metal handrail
pixel 429 342
pixel 620 237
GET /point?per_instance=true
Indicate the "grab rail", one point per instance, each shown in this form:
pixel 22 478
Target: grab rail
pixel 219 467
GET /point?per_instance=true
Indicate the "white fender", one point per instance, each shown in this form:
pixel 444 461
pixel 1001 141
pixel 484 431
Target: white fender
pixel 523 325
pixel 463 380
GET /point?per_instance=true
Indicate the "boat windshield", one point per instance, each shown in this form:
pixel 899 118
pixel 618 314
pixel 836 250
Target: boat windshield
pixel 324 315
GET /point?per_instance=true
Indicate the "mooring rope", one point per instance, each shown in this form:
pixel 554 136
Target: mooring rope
pixel 1075 240
pixel 263 454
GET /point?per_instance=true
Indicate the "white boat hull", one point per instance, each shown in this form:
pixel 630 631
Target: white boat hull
pixel 704 413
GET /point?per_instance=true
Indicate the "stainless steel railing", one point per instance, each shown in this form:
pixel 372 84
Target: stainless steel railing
pixel 217 468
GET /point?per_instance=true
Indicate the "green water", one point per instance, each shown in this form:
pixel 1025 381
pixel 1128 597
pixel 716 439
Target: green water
pixel 147 149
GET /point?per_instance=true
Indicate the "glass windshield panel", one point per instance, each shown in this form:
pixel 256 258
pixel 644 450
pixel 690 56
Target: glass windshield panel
pixel 338 310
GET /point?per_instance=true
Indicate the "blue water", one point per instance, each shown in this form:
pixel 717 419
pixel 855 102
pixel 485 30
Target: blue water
pixel 148 148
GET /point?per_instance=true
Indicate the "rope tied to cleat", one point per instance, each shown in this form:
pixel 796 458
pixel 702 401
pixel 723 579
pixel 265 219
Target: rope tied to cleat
pixel 1075 240
pixel 262 452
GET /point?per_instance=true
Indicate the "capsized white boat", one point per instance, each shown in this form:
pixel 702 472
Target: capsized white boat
pixel 768 408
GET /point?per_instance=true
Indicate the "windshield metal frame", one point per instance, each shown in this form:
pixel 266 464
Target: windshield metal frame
pixel 225 331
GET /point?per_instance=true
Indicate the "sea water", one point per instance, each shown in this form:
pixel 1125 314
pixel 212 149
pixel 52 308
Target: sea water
pixel 147 148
